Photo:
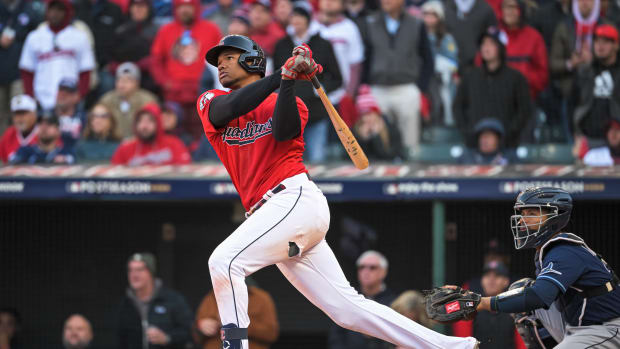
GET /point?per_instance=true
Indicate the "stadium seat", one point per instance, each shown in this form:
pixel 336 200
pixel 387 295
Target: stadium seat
pixel 552 153
pixel 446 153
pixel 441 134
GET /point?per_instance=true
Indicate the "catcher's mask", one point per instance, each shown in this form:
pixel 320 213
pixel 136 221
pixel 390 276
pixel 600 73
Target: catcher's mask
pixel 554 206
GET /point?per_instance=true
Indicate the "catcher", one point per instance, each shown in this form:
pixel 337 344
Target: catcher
pixel 575 295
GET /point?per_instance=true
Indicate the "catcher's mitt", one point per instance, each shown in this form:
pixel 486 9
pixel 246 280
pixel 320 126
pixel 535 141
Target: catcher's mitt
pixel 449 305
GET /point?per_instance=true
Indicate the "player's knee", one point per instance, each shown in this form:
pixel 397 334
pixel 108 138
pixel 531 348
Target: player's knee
pixel 218 265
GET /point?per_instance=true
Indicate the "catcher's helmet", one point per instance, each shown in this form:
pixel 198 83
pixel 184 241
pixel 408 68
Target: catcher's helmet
pixel 559 204
pixel 252 59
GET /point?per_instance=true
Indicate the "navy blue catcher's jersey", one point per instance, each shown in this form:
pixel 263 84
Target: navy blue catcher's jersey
pixel 572 267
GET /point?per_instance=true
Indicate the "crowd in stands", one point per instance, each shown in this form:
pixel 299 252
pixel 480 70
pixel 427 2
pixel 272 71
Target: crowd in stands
pixel 485 80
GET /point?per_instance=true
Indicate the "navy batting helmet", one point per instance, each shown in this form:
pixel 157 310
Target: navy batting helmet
pixel 557 204
pixel 252 58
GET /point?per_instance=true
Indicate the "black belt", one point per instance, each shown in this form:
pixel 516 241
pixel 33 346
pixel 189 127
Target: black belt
pixel 266 197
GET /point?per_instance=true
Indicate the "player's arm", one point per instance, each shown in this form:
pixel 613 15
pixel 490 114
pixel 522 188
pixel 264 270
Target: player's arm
pixel 286 119
pixel 524 299
pixel 225 108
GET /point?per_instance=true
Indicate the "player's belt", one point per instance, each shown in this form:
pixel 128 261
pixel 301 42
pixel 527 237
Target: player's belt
pixel 266 197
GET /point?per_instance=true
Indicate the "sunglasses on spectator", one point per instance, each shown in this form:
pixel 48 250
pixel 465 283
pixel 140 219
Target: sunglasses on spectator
pixel 365 266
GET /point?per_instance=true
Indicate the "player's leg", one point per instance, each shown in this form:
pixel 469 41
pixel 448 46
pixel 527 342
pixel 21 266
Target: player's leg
pixel 318 276
pixel 263 239
pixel 605 336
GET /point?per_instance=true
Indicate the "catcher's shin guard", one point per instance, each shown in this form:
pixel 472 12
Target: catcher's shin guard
pixel 232 336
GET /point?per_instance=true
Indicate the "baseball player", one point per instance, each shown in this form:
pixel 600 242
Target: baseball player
pixel 575 295
pixel 258 135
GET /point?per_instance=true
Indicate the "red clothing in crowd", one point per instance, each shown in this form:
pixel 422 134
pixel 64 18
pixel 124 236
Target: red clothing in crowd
pixel 163 150
pixel 268 37
pixel 12 139
pixel 466 329
pixel 496 5
pixel 178 55
pixel 527 53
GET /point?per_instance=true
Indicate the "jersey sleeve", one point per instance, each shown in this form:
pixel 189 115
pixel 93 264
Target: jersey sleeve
pixel 86 56
pixel 28 61
pixel 202 106
pixel 562 266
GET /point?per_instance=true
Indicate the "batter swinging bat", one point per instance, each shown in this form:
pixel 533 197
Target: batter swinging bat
pixel 346 137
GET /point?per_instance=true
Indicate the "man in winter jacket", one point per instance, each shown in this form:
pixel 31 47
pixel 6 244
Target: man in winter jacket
pixel 177 58
pixel 151 316
pixel 54 51
pixel 17 19
pixel 102 17
pixel 49 148
pixel 317 128
pixel 151 145
pixel 494 89
pixel 597 87
pixel 525 51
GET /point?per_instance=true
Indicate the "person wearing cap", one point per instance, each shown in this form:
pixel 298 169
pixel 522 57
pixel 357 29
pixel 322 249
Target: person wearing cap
pixel 493 329
pixel 445 54
pixel 49 148
pixel 150 314
pixel 467 20
pixel 54 51
pixel 69 111
pixel 316 132
pixel 264 29
pixel 151 145
pixel 493 89
pixel 177 59
pixel 127 97
pixel 609 154
pixel 24 130
pixel 597 88
pixel 17 19
pixel 376 134
pixel 134 38
pixel 489 138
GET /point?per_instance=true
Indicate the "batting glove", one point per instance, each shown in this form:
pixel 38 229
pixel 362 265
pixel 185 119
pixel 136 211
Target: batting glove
pixel 303 50
pixel 312 69
pixel 291 67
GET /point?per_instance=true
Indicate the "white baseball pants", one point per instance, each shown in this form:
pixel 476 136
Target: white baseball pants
pixel 300 214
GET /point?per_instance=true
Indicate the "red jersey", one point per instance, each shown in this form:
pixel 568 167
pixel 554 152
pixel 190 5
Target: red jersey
pixel 12 139
pixel 254 159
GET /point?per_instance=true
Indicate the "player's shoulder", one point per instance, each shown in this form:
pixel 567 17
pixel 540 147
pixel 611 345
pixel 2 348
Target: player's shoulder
pixel 206 98
pixel 564 250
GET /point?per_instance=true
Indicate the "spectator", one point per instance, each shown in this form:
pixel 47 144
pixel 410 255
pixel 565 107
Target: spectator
pixel 372 269
pixel 55 50
pixel 151 145
pixel 220 12
pixel 10 326
pixel 178 59
pixel 134 39
pixel 412 305
pixel 17 19
pixel 445 53
pixel 77 333
pixel 494 330
pixel 282 12
pixel 399 66
pixel 597 87
pixel 493 89
pixel 127 97
pixel 547 18
pixel 571 47
pixel 357 10
pixel 170 118
pixel 48 149
pixel 525 50
pixel 467 20
pixel 24 130
pixel 609 154
pixel 263 330
pixel 151 312
pixel 239 24
pixel 489 140
pixel 103 17
pixel 264 29
pixel 101 137
pixel 69 111
pixel 378 137
pixel 316 131
pixel 346 40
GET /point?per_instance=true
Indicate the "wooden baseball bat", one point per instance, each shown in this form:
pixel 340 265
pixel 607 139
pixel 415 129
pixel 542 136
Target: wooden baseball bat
pixel 344 133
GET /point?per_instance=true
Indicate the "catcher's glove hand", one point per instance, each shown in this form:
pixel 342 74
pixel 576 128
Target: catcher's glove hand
pixel 449 305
